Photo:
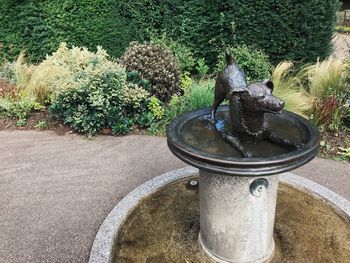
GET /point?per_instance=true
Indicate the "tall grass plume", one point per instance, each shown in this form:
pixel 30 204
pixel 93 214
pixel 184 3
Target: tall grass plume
pixel 288 86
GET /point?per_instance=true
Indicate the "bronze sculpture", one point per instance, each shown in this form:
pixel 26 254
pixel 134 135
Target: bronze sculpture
pixel 248 105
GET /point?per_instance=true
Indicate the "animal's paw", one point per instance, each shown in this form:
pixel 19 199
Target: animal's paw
pixel 247 154
pixel 299 146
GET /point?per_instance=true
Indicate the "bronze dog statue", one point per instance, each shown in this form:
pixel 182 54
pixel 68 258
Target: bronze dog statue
pixel 248 106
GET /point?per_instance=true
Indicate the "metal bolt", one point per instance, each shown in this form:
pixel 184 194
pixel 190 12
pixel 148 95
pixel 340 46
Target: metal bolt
pixel 193 183
pixel 258 186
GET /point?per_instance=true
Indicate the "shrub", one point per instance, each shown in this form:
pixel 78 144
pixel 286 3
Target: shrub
pixel 253 62
pixel 199 95
pixel 156 108
pixel 326 78
pixel 289 87
pixel 294 30
pixel 156 64
pixel 15 102
pixel 40 26
pixel 64 69
pixel 104 100
pixel 201 68
pixel 183 54
pixel 186 81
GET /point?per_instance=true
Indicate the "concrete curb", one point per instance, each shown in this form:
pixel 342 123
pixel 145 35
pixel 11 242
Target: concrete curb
pixel 102 248
pixel 337 202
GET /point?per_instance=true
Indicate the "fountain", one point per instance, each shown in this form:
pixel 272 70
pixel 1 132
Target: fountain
pixel 227 215
pixel 238 185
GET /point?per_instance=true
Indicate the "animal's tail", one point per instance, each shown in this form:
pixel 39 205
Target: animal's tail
pixel 229 57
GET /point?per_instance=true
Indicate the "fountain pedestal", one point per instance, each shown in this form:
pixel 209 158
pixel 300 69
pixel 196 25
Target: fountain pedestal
pixel 237 217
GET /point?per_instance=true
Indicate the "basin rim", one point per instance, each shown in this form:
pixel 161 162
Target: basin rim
pixel 243 166
pixel 102 248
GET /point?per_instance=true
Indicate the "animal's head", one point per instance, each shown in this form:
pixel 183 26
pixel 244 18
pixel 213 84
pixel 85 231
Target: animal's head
pixel 258 97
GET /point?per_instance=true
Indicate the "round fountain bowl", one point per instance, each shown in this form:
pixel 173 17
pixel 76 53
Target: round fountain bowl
pixel 193 139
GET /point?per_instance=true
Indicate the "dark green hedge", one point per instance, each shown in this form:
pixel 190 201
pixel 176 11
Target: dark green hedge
pixel 286 29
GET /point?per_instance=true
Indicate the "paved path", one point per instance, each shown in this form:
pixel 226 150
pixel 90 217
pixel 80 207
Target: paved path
pixel 55 191
pixel 341 44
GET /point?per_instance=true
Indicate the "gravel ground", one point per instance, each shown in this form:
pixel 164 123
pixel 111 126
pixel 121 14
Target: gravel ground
pixel 341 44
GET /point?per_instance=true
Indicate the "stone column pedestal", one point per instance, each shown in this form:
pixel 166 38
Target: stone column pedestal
pixel 237 217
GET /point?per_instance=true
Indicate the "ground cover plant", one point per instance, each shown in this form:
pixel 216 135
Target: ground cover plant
pixel 15 101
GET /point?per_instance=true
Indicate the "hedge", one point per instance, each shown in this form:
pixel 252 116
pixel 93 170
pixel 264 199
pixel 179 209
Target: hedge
pixel 285 29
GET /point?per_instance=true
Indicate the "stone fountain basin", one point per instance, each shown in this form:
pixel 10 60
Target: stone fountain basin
pixel 159 222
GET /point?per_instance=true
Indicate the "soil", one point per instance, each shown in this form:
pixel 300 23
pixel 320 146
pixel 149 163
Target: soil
pixel 330 143
pixel 164 227
pixel 49 123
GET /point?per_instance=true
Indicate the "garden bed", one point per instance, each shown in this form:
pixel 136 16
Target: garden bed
pixel 42 120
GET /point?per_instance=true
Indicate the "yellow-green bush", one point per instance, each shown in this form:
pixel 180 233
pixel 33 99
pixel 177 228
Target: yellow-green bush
pixel 65 68
pixel 88 91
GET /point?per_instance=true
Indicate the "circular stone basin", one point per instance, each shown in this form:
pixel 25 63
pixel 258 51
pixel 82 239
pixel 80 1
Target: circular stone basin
pixel 158 222
pixel 193 139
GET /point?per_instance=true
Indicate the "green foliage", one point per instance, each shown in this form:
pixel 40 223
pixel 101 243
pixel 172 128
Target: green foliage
pixel 18 107
pixel 253 62
pixel 343 29
pixel 66 68
pixel 199 95
pixel 183 54
pixel 135 78
pixel 104 100
pixel 156 64
pixel 201 68
pixel 123 126
pixel 40 26
pixel 41 125
pixel 21 123
pixel 344 151
pixel 186 81
pixel 293 30
pixel 155 107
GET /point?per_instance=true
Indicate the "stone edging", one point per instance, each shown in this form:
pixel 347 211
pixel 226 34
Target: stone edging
pixel 102 248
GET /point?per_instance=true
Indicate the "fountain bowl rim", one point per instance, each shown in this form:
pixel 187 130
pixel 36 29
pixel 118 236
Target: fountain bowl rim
pixel 243 166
